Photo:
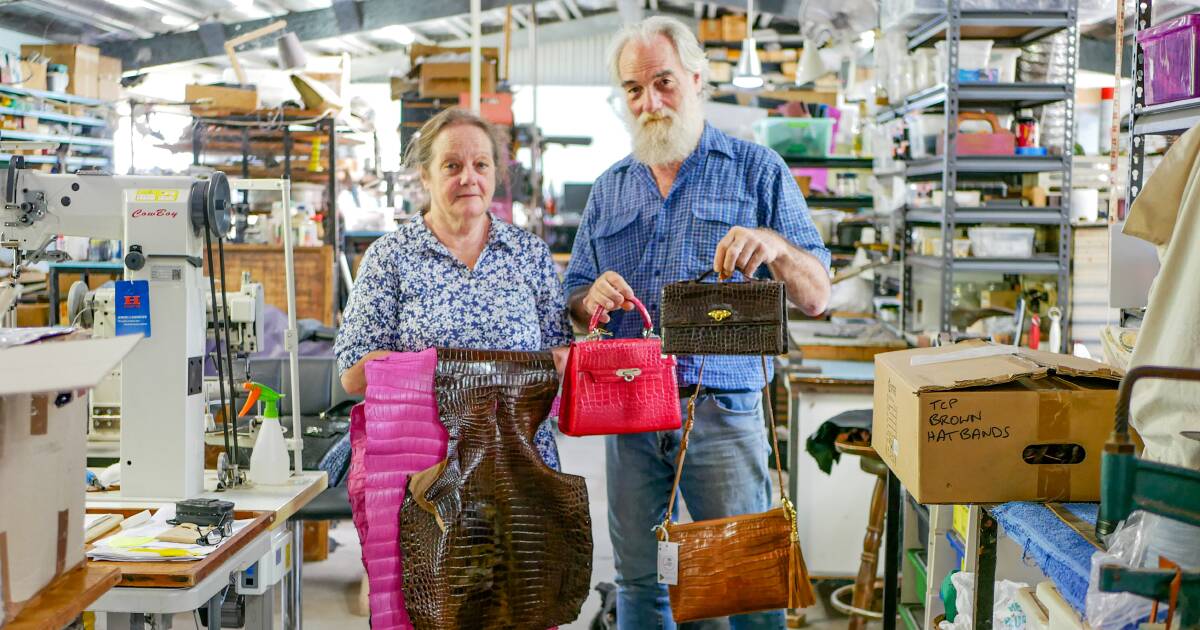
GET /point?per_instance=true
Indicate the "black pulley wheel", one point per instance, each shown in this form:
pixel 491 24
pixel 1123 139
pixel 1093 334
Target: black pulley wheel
pixel 211 198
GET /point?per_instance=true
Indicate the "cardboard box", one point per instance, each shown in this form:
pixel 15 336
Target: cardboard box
pixel 82 62
pixel 108 79
pixel 495 108
pixel 733 27
pixel 43 450
pixel 221 97
pixel 33 74
pixel 449 79
pixel 710 30
pixel 960 428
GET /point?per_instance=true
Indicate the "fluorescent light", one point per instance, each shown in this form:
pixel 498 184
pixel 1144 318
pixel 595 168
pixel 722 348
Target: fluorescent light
pixel 242 4
pixel 399 32
pixel 176 20
pixel 748 74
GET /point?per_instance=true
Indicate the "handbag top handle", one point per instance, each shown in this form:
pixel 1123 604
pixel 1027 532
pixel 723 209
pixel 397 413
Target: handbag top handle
pixel 725 279
pixel 647 324
pixel 662 529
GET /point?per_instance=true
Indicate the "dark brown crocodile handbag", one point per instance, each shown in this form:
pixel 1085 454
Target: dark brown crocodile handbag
pixel 739 564
pixel 492 537
pixel 724 317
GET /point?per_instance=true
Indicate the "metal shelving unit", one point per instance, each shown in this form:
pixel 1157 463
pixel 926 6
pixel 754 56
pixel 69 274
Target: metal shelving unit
pixel 976 95
pixel 828 162
pixel 1163 119
pixel 1050 215
pixel 1008 28
pixel 84 136
pixel 843 203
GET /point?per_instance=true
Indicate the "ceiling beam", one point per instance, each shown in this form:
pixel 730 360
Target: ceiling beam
pixel 519 18
pixel 573 8
pixel 307 25
pixel 560 10
pixel 99 18
pixel 454 28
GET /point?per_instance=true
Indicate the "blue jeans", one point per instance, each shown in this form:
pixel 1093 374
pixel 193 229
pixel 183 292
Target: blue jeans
pixel 725 474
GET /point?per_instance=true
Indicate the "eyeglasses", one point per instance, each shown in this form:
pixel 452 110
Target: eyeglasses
pixel 215 534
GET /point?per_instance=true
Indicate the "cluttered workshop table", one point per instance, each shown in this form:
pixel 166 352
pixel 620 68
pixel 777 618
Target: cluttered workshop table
pixel 271 548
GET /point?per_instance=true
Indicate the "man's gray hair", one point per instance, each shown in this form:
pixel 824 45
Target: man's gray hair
pixel 691 55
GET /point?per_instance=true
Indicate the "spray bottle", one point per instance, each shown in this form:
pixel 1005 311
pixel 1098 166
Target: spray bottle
pixel 269 461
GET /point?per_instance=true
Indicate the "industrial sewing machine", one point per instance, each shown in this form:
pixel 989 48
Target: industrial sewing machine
pixel 97 310
pixel 1128 483
pixel 165 223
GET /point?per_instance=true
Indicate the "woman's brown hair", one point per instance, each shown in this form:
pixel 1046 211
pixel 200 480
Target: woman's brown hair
pixel 419 154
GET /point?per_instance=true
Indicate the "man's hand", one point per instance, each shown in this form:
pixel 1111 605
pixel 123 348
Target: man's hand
pixel 609 291
pixel 746 249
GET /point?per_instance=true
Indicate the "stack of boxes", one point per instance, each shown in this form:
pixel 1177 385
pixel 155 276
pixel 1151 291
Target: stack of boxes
pixel 91 75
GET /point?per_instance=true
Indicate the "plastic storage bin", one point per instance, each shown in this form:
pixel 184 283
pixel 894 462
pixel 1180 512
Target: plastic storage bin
pixel 905 14
pixel 796 137
pixel 1001 242
pixel 1172 68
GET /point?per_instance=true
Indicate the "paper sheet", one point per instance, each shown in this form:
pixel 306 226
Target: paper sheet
pixel 138 544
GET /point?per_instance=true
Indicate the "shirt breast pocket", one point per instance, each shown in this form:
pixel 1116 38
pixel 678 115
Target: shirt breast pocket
pixel 711 221
pixel 614 235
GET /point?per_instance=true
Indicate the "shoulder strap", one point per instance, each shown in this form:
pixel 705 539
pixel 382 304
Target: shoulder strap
pixel 662 529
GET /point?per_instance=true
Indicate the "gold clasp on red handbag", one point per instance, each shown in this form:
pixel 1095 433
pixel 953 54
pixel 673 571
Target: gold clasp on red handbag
pixel 629 374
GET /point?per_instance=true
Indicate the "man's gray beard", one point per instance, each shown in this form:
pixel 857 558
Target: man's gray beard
pixel 667 141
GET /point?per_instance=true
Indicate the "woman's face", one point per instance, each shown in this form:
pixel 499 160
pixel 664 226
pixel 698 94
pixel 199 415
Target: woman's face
pixel 462 177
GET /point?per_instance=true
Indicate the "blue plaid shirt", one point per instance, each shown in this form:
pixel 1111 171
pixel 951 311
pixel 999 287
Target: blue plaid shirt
pixel 629 228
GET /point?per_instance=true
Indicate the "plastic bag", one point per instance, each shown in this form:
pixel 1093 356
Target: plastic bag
pixel 1127 548
pixel 1006 611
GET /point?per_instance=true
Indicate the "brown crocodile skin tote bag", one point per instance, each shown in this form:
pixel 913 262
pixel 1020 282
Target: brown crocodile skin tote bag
pixel 492 537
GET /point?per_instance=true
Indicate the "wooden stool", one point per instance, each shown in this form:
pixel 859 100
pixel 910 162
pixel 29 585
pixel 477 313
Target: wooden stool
pixel 864 584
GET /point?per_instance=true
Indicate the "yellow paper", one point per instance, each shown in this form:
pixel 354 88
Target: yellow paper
pixel 166 553
pixel 124 542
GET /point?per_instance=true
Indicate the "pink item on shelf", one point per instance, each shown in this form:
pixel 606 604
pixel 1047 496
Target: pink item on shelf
pixel 1172 59
pixel 395 433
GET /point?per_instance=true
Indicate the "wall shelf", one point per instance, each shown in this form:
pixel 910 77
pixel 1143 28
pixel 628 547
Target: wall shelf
pixel 980 95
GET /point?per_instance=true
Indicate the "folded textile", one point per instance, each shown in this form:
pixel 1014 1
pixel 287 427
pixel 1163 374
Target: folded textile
pixel 820 444
pixel 1060 552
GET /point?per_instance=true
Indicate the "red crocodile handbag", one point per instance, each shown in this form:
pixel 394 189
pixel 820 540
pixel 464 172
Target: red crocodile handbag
pixel 619 385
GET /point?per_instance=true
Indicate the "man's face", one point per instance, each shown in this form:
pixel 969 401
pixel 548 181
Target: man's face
pixel 663 100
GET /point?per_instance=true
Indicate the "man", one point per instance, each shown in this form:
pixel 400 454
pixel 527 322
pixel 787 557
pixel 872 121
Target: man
pixel 689 199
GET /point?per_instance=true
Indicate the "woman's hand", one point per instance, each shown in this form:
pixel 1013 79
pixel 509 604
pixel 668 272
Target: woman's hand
pixel 354 380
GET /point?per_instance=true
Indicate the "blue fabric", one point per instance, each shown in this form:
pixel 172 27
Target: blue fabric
pixel 412 294
pixel 629 228
pixel 725 474
pixel 1059 551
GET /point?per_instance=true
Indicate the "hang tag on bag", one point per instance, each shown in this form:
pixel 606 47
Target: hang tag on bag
pixel 668 563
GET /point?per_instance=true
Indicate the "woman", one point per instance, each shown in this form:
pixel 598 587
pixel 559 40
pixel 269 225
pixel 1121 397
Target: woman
pixel 455 276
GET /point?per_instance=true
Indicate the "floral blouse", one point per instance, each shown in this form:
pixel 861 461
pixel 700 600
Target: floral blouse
pixel 411 294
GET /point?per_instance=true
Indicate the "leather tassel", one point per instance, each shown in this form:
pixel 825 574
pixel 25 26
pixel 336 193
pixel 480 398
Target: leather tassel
pixel 800 592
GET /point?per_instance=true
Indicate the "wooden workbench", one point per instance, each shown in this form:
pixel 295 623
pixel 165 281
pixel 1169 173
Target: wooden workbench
pixel 284 500
pixel 182 574
pixel 64 599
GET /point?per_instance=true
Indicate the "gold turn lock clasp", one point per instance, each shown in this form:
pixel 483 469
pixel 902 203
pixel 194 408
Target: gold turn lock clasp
pixel 719 314
pixel 629 374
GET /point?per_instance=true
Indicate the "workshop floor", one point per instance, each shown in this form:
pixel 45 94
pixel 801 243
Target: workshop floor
pixel 331 586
